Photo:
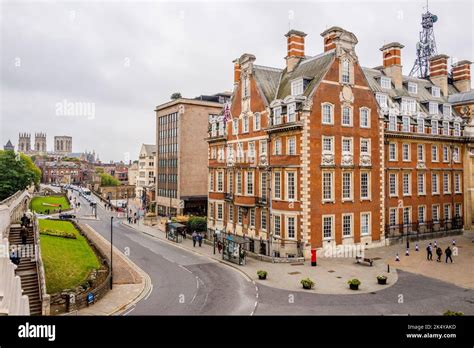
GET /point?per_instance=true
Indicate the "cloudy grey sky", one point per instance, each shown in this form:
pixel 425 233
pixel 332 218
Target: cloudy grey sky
pixel 126 57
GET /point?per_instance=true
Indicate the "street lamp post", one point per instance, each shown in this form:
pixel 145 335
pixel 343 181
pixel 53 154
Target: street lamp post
pixel 111 252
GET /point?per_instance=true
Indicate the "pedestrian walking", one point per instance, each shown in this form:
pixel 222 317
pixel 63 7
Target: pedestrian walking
pixel 435 244
pixel 454 242
pixel 194 235
pixel 407 252
pixel 219 246
pixel 439 252
pixel 448 253
pixel 417 248
pixel 429 252
pixel 200 239
pixel 24 220
pixel 397 258
pixel 23 234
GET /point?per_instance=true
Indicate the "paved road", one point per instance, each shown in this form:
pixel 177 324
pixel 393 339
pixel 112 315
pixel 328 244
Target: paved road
pixel 186 283
pixel 183 282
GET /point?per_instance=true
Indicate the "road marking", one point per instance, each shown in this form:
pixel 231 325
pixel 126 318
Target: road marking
pixel 187 270
pixel 197 282
pixel 129 311
pixel 151 290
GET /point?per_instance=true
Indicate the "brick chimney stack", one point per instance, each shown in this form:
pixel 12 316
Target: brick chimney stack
pixel 295 53
pixel 439 72
pixel 236 71
pixel 462 75
pixel 392 62
pixel 342 40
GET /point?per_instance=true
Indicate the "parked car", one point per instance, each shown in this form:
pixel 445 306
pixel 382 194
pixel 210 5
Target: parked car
pixel 66 216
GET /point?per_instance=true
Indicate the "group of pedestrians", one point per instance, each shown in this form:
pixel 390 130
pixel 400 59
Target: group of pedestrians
pixel 132 219
pixel 439 252
pixel 197 237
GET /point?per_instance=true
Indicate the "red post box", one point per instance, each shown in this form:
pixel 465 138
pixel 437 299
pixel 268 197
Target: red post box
pixel 313 257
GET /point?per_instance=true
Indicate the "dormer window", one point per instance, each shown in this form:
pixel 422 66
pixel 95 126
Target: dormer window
pixel 392 123
pixel 433 108
pixel 412 88
pixel 277 115
pixel 406 124
pixel 386 82
pixel 297 87
pixel 447 110
pixel 345 76
pixel 421 125
pixel 445 127
pixel 381 99
pixel 291 108
pixel 457 129
pixel 434 127
pixel 435 91
pixel 408 105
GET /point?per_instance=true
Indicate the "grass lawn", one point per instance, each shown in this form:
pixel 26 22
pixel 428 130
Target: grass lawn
pixel 38 206
pixel 67 262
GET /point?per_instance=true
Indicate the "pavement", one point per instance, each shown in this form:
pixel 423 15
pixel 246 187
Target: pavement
pixel 330 275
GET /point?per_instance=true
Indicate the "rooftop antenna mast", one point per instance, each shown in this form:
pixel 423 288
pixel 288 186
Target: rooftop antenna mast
pixel 426 46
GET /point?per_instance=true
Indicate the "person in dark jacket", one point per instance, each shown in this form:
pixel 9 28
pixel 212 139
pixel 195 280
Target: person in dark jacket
pixel 199 237
pixel 439 252
pixel 429 252
pixel 194 235
pixel 448 253
pixel 23 234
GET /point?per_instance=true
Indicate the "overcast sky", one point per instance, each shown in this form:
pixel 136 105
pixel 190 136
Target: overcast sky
pixel 122 58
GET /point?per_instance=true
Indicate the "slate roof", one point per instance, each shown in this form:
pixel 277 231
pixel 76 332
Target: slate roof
pixel 149 149
pixel 275 83
pixel 462 97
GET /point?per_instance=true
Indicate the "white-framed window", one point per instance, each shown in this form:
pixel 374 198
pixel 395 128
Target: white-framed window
pixel 250 183
pixel 328 144
pixel 445 153
pixel 347 222
pixel 406 156
pixel 346 116
pixel 447 110
pixel 291 227
pixel 239 215
pixel 406 124
pixel 328 226
pixel 457 209
pixel 435 91
pixel 365 146
pixel 433 108
pixel 445 127
pixel 364 115
pixel 365 185
pixel 447 211
pixel 263 219
pixel 235 126
pixel 457 129
pixel 421 153
pixel 291 146
pixel 277 115
pixel 346 76
pixel 412 87
pixel 408 106
pixel 277 225
pixel 434 184
pixel 455 154
pixel 446 183
pixel 277 185
pixel 263 147
pixel 297 87
pixel 290 186
pixel 238 189
pixel 263 185
pixel 252 217
pixel 421 214
pixel 457 183
pixel 434 153
pixel 392 151
pixel 420 125
pixel 291 112
pixel 393 216
pixel 406 215
pixel 246 87
pixel 435 212
pixel 230 182
pixel 365 224
pixel 220 181
pixel 256 121
pixel 382 100
pixel 328 113
pixel 211 181
pixel 220 211
pixel 434 127
pixel 328 186
pixel 231 213
pixel 211 210
pixel 251 149
pixel 347 146
pixel 421 184
pixel 392 122
pixel 393 184
pixel 277 147
pixel 347 186
pixel 406 184
pixel 386 82
pixel 245 124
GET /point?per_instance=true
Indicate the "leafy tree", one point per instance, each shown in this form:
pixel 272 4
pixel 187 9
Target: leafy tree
pixel 176 95
pixel 197 223
pixel 108 180
pixel 17 172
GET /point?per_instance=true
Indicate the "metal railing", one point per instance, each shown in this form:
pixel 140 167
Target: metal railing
pixel 426 227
